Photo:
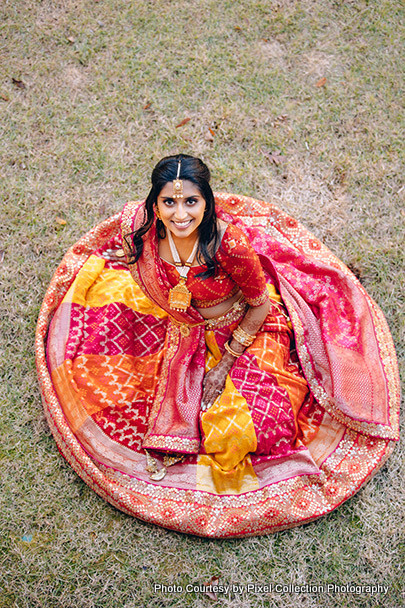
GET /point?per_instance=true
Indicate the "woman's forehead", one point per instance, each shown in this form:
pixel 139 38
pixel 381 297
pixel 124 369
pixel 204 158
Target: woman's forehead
pixel 189 189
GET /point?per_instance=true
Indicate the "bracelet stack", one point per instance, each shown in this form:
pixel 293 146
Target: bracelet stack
pixel 231 351
pixel 241 336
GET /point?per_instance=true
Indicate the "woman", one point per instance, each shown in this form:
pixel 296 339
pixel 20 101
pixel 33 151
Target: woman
pixel 231 377
pixel 205 274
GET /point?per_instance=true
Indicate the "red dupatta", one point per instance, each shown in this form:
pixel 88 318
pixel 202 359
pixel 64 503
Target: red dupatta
pixel 335 324
pixel 173 423
pixel 342 338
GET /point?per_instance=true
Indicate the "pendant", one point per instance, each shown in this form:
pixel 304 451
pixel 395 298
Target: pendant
pixel 177 188
pixel 184 330
pixel 180 296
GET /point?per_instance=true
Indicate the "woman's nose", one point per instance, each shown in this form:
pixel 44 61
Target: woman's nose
pixel 181 211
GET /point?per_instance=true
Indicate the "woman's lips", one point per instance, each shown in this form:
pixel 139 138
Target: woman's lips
pixel 182 225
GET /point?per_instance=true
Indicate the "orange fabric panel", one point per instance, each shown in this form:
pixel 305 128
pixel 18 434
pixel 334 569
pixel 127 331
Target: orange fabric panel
pixel 115 380
pixel 69 396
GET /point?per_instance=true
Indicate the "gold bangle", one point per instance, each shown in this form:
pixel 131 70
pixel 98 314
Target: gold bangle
pixel 243 337
pixel 231 351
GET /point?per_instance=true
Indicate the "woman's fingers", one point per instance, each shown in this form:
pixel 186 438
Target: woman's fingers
pixel 209 394
pixel 213 385
pixel 115 255
pixel 209 397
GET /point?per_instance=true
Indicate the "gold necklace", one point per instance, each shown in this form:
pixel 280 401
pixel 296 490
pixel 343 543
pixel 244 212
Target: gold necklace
pixel 180 295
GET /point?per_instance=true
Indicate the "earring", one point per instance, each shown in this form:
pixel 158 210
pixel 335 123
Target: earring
pixel 157 213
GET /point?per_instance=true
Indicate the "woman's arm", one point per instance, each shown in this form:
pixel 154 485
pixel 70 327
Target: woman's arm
pixel 214 380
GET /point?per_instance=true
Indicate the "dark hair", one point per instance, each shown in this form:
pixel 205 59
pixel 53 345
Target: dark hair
pixel 193 170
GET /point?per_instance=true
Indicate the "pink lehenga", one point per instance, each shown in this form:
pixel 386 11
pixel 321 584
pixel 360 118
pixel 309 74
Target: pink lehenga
pixel 308 414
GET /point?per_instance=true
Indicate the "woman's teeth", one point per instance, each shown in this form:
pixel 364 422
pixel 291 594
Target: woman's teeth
pixel 182 223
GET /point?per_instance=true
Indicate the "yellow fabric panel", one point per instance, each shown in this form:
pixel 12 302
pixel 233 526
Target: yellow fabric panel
pixel 212 478
pixel 228 428
pixel 213 355
pixel 229 437
pixel 97 286
pixel 118 286
pixel 273 294
pixel 85 278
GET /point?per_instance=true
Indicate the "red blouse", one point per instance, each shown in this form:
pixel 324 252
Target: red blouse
pixel 238 268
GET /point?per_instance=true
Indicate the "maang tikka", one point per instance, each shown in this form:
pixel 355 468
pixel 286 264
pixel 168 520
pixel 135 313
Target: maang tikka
pixel 178 184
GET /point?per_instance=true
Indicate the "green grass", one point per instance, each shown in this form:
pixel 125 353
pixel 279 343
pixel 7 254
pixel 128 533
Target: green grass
pixel 77 142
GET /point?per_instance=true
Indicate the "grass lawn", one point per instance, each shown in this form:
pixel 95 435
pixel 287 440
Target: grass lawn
pixel 92 94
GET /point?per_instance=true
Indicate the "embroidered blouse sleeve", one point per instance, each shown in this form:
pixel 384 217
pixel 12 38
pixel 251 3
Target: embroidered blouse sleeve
pixel 238 258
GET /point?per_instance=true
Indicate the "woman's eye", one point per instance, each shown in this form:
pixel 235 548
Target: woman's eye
pixel 169 203
pixel 191 201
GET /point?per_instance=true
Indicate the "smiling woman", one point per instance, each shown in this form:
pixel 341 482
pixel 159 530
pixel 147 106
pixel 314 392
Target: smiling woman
pixel 230 377
pixel 181 215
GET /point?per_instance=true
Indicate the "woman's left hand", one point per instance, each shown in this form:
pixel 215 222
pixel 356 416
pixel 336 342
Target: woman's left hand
pixel 214 383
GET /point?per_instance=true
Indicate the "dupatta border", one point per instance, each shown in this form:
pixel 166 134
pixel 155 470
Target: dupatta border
pixel 362 426
pixel 170 442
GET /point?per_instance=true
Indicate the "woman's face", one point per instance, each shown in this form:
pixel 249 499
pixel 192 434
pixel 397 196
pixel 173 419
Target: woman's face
pixel 181 216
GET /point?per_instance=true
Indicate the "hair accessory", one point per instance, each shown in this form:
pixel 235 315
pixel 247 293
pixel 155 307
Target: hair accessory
pixel 178 184
pixel 180 295
pixel 241 336
pixel 231 351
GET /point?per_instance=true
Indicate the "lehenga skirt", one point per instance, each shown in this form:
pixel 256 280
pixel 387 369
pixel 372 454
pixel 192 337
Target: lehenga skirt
pixel 271 457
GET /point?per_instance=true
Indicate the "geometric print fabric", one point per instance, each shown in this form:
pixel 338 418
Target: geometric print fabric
pixel 346 459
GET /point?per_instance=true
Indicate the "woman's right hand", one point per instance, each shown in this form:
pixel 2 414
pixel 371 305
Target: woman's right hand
pixel 115 255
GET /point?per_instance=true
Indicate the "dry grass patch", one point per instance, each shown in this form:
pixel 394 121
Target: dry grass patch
pixel 104 85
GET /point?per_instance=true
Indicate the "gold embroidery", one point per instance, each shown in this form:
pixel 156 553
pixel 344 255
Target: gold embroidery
pixel 264 296
pixel 209 303
pixel 258 512
pixel 179 444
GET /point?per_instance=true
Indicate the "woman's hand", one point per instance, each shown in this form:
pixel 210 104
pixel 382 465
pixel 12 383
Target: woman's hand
pixel 115 255
pixel 214 381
